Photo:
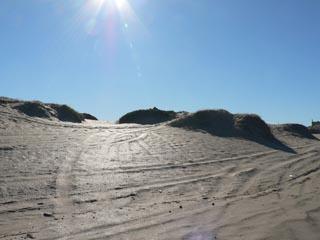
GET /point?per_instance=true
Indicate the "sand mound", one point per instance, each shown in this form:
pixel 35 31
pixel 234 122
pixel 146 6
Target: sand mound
pixel 224 124
pixel 314 129
pixel 33 109
pixel 252 126
pixel 148 116
pixel 296 130
pixel 47 111
pixel 89 116
pixel 6 100
pixel 217 122
pixel 67 114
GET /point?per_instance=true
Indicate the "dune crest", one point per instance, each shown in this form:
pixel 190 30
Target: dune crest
pixel 225 124
pixel 148 116
pixel 48 111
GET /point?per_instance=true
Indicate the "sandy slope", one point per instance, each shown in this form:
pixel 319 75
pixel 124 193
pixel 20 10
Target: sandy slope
pixel 101 181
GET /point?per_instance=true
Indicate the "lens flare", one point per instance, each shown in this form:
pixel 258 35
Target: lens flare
pixel 101 12
pixel 109 22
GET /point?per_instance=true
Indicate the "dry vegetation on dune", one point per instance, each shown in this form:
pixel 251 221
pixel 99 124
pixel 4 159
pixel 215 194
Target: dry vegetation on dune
pixel 296 130
pixel 6 100
pixel 47 111
pixel 148 116
pixel 67 114
pixel 34 109
pixel 252 127
pixel 89 116
pixel 217 122
pixel 315 129
pixel 224 124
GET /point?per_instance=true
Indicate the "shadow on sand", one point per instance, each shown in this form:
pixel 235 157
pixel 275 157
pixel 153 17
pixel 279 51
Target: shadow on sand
pixel 274 144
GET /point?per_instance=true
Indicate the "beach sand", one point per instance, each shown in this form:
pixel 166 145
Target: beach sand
pixel 97 180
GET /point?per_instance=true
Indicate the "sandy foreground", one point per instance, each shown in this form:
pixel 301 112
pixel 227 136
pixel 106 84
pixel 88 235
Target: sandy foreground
pixel 102 181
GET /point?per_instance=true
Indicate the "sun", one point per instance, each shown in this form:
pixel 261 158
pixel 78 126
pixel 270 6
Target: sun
pixel 99 11
pixel 110 21
pixel 120 5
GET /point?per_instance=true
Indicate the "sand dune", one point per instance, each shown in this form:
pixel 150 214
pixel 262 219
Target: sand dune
pixel 97 180
pixel 148 116
pixel 50 111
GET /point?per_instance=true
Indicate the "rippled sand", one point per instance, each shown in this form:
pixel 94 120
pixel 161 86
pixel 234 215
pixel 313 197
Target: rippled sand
pixel 102 181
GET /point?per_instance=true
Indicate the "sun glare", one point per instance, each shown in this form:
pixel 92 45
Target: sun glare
pixel 120 5
pixel 99 10
pixel 109 22
pixel 113 14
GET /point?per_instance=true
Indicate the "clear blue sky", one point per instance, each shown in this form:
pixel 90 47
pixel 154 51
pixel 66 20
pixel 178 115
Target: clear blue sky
pixel 113 56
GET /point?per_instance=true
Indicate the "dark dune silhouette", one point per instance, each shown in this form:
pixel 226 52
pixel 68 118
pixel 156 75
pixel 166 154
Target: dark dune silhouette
pixel 66 113
pixel 296 130
pixel 315 129
pixel 148 116
pixel 33 109
pixel 47 111
pixel 89 116
pixel 6 100
pixel 217 122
